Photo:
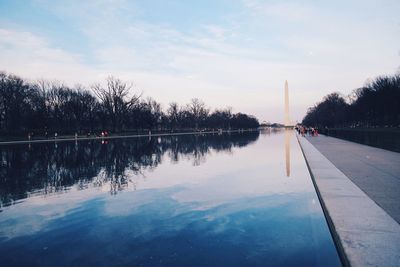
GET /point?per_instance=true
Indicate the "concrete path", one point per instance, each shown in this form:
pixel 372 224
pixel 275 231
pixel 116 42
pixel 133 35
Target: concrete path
pixel 364 233
pixel 375 171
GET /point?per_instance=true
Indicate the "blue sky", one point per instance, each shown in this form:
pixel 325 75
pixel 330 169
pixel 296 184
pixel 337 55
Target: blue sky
pixel 234 53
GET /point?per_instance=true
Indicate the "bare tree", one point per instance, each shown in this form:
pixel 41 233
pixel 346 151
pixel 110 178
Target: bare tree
pixel 198 111
pixel 155 110
pixel 46 107
pixel 116 100
pixel 173 113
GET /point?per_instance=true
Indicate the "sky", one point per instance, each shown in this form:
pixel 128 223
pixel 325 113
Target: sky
pixel 228 53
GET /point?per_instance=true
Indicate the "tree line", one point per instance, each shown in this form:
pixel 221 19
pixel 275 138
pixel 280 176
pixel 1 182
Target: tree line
pixel 377 104
pixel 50 106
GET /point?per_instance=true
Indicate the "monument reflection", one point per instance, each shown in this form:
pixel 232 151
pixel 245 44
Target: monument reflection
pixel 288 136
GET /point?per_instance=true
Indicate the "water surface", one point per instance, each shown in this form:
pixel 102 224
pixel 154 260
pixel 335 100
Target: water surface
pixel 239 199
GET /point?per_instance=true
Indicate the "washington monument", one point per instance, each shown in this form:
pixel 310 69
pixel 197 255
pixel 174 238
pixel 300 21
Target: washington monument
pixel 287 118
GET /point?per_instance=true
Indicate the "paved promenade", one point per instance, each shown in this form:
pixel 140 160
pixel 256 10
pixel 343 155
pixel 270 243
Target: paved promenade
pixel 366 235
pixel 375 171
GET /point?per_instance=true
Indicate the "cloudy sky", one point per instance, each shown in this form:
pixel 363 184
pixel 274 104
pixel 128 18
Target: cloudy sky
pixel 235 53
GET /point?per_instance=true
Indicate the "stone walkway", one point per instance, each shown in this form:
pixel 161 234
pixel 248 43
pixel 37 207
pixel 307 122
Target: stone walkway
pixel 375 171
pixel 365 234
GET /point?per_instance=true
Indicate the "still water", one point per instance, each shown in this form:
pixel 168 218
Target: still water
pixel 239 199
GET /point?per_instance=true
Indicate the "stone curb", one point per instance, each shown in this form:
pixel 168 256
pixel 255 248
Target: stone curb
pixel 364 233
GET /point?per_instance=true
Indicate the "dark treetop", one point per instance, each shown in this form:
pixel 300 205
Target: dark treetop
pixel 43 108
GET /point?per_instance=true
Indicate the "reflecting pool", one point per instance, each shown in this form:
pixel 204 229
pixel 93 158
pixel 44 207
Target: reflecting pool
pixel 238 199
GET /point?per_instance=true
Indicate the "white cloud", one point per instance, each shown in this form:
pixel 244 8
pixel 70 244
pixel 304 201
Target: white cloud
pixel 242 63
pixel 289 11
pixel 26 54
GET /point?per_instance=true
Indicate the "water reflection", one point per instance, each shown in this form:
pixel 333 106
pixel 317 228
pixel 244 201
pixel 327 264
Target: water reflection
pixel 201 201
pixel 288 134
pixel 27 170
pixel 288 137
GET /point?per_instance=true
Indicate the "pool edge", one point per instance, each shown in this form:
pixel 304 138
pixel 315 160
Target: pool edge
pixel 364 234
pixel 336 239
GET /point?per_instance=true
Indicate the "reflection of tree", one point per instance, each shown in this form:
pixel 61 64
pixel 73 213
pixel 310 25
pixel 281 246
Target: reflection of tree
pixel 54 167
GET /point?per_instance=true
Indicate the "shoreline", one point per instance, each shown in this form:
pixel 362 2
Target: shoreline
pixel 15 142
